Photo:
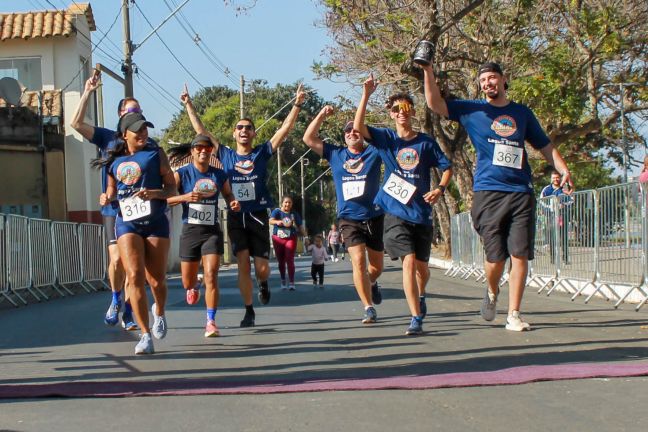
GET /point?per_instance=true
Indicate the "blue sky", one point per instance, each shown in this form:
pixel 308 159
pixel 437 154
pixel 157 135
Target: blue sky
pixel 276 40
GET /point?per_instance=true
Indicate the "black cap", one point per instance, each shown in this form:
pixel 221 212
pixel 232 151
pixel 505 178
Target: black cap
pixel 348 126
pixel 201 140
pixel 490 67
pixel 133 122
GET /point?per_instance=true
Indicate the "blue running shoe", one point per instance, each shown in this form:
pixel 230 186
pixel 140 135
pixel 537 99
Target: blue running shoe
pixel 370 316
pixel 112 314
pixel 376 295
pixel 128 323
pixel 422 306
pixel 416 327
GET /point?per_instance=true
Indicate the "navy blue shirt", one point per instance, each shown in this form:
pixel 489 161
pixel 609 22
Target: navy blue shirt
pixel 407 166
pixel 248 176
pixel 292 218
pixel 204 212
pixel 357 181
pixel 498 135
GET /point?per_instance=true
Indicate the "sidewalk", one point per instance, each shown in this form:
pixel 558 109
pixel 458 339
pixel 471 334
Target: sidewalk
pixel 312 340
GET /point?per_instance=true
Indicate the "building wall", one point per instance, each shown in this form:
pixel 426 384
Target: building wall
pixel 60 62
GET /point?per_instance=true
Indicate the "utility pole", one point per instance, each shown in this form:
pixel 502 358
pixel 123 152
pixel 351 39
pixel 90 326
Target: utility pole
pixel 303 196
pixel 241 96
pixel 127 67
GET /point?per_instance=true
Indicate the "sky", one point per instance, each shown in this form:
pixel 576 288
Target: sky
pixel 276 40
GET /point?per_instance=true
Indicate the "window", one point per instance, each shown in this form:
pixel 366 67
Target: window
pixel 26 70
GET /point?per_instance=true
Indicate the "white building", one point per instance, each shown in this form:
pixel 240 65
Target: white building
pixel 44 163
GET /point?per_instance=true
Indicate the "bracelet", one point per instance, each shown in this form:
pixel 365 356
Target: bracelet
pixel 442 189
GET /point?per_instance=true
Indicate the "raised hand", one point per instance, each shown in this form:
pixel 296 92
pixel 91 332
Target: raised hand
pixel 370 85
pixel 300 95
pixel 184 96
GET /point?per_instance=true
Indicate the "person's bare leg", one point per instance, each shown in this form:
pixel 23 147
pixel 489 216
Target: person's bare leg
pixel 360 276
pixel 409 284
pixel 211 263
pixel 517 282
pixel 244 277
pixel 494 271
pixel 132 251
pixel 376 263
pixel 157 251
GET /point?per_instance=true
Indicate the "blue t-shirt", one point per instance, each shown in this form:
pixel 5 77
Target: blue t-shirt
pixel 248 176
pixel 357 181
pixel 205 211
pixel 498 135
pixel 139 171
pixel 408 161
pixel 105 140
pixel 292 218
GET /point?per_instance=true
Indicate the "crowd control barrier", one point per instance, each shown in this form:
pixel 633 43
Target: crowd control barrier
pixel 589 243
pixel 38 254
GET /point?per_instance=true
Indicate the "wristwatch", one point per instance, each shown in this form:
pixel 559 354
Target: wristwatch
pixel 442 189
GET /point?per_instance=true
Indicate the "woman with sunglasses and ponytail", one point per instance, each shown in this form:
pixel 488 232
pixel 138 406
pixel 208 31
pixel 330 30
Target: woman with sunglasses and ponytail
pixel 247 170
pixel 139 182
pixel 202 238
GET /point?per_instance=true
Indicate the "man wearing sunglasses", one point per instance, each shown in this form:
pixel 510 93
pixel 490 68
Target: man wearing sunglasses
pixel 356 174
pixel 105 140
pixel 405 195
pixel 247 170
pixel 504 206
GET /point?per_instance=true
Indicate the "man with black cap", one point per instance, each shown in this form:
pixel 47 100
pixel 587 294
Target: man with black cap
pixel 105 140
pixel 356 174
pixel 247 170
pixel 503 209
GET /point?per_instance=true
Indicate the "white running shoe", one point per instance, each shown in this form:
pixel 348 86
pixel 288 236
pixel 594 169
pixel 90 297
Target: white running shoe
pixel 159 328
pixel 515 323
pixel 145 345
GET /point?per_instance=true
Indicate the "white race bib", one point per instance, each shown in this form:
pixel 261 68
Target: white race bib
pixel 283 232
pixel 507 156
pixel 201 214
pixel 399 188
pixel 244 191
pixel 353 189
pixel 134 208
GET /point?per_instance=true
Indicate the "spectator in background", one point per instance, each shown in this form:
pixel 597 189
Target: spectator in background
pixel 319 257
pixel 564 199
pixel 643 177
pixel 287 224
pixel 333 242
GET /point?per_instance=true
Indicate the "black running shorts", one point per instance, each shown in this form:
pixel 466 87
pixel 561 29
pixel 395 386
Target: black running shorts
pixel 368 232
pixel 249 231
pixel 197 241
pixel 403 238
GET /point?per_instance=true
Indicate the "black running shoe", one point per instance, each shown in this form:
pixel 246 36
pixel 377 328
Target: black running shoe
pixel 264 293
pixel 248 320
pixel 376 295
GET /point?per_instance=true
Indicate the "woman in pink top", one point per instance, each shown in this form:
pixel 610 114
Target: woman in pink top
pixel 643 177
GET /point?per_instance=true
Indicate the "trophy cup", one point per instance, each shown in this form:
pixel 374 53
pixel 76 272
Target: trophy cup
pixel 424 53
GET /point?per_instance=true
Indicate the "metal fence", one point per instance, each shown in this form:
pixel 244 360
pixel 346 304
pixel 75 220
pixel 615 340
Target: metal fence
pixel 592 242
pixel 36 254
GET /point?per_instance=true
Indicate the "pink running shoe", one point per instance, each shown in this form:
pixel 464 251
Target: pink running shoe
pixel 211 330
pixel 193 296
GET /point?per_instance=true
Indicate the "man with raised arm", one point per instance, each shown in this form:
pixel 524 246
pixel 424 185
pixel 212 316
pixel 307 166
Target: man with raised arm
pixel 247 170
pixel 356 174
pixel 504 206
pixel 405 195
pixel 105 140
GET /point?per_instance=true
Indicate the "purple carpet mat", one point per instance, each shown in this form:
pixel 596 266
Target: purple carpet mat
pixel 211 386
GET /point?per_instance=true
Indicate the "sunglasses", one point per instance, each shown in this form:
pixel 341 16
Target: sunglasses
pixel 133 110
pixel 349 130
pixel 246 127
pixel 406 107
pixel 204 148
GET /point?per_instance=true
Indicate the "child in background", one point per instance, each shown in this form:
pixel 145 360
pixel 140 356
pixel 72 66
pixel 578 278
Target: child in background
pixel 319 255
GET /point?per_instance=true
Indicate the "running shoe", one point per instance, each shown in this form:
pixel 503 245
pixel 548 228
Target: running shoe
pixel 376 294
pixel 291 286
pixel 423 307
pixel 211 330
pixel 321 286
pixel 193 296
pixel 145 345
pixel 370 316
pixel 248 320
pixel 264 293
pixel 112 314
pixel 314 285
pixel 415 328
pixel 489 306
pixel 514 322
pixel 159 328
pixel 284 285
pixel 128 323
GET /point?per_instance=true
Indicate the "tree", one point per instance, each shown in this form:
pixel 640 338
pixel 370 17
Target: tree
pixel 219 110
pixel 561 57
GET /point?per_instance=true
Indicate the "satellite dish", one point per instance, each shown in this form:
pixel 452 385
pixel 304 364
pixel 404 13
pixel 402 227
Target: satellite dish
pixel 10 91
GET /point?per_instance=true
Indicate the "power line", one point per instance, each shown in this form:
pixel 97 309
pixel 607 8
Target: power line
pixel 155 97
pixel 169 49
pixel 161 90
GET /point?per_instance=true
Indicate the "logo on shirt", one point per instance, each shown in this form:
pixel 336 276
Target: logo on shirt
pixel 244 167
pixel 353 166
pixel 287 221
pixel 407 158
pixel 205 186
pixel 504 126
pixel 128 173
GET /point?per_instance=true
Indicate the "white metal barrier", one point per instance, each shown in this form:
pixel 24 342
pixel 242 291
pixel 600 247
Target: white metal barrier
pixel 67 256
pixel 17 255
pixel 92 246
pixel 596 239
pixel 4 268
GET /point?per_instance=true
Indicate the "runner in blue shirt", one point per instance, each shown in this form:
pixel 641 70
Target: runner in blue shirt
pixel 405 194
pixel 356 174
pixel 286 226
pixel 201 241
pixel 560 206
pixel 105 140
pixel 503 208
pixel 247 169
